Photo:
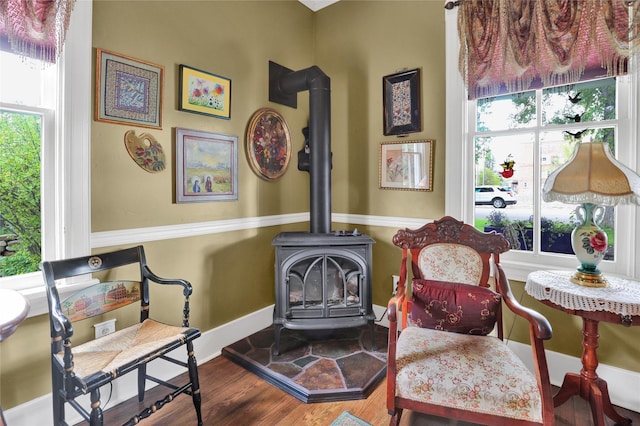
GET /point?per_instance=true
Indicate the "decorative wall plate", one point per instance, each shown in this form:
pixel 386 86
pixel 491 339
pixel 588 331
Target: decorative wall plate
pixel 268 144
pixel 145 150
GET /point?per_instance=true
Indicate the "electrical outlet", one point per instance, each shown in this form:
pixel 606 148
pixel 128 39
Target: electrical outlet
pixel 395 280
pixel 105 328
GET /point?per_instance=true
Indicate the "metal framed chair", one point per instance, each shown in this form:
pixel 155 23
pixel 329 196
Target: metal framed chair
pixel 83 369
pixel 446 354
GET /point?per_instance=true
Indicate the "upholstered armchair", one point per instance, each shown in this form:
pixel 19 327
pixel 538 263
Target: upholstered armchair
pixel 446 353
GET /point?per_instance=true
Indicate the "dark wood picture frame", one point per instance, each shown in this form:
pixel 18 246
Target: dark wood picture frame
pixel 401 102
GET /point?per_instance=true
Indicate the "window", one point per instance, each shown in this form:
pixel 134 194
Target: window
pixel 63 106
pixel 514 136
pixel 26 136
pixel 533 129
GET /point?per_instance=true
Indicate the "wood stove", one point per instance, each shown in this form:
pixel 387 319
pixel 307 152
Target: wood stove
pixel 323 281
pixel 322 278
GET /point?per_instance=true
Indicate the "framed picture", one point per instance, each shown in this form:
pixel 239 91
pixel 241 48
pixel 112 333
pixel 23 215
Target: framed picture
pixel 401 103
pixel 206 166
pixel 407 165
pixel 268 144
pixel 204 93
pixel 128 90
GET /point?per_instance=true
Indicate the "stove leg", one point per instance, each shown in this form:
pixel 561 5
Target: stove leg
pixel 277 329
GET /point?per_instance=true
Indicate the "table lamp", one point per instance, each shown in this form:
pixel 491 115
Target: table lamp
pixel 592 178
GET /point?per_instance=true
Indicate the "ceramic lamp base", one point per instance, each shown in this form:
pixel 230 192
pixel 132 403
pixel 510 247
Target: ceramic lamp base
pixel 589 279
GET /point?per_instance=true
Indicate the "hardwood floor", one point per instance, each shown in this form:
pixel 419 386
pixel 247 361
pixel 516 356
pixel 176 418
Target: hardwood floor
pixel 231 396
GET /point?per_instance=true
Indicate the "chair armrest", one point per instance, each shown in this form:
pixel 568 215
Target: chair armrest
pixel 392 307
pixel 187 288
pixel 61 325
pixel 540 326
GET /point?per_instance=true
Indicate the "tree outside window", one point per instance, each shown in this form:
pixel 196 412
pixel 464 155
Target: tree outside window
pixel 20 200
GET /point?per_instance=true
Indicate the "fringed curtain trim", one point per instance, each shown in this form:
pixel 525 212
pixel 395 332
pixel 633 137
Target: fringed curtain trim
pixel 506 45
pixel 35 28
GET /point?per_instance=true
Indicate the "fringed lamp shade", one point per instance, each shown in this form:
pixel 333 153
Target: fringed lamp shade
pixel 593 175
pixel 592 178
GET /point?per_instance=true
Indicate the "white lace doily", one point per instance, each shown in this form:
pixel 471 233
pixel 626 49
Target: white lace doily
pixel 622 296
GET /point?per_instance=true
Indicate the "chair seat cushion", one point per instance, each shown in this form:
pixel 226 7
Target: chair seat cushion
pixel 461 308
pixel 475 373
pixel 142 341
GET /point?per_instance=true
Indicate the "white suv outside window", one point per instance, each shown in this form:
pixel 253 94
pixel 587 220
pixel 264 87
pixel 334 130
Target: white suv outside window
pixel 496 196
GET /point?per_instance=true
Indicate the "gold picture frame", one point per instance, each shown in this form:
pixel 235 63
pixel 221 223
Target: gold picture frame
pixel 128 90
pixel 268 144
pixel 407 165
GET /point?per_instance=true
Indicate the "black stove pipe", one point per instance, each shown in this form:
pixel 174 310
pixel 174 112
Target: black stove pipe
pixel 319 86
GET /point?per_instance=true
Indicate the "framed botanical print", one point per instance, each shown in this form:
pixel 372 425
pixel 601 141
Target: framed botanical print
pixel 407 165
pixel 204 93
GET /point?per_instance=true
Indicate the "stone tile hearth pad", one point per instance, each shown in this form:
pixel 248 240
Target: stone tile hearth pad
pixel 316 366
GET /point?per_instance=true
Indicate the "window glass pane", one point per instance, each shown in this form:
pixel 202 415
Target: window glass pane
pixel 513 111
pixel 20 222
pixel 21 80
pixel 504 187
pixel 581 102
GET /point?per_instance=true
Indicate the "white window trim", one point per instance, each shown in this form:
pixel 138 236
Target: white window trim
pixel 68 186
pixel 459 175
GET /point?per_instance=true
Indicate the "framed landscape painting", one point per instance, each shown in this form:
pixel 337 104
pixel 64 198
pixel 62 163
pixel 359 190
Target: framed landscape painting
pixel 206 166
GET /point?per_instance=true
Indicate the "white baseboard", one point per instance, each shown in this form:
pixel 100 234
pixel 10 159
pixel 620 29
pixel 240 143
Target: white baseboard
pixel 622 383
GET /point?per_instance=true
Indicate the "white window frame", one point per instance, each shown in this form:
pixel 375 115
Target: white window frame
pixel 460 168
pixel 66 215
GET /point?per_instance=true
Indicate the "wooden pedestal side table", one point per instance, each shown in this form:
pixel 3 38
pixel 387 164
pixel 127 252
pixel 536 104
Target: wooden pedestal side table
pixel 13 310
pixel 619 303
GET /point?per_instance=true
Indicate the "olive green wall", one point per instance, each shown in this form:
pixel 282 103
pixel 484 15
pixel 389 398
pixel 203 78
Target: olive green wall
pixel 232 39
pixel 355 43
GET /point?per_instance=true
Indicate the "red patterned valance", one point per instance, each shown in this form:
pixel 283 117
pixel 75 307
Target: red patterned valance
pixel 34 28
pixel 514 45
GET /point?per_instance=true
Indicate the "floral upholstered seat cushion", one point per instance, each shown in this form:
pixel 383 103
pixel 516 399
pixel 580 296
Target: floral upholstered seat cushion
pixel 477 373
pixel 450 262
pixel 459 308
